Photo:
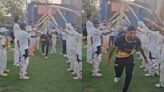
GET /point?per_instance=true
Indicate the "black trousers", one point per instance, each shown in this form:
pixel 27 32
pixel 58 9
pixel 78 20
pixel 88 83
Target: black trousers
pixel 64 47
pixel 45 45
pixel 128 64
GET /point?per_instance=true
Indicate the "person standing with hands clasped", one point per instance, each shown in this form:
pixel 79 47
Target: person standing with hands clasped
pixel 126 45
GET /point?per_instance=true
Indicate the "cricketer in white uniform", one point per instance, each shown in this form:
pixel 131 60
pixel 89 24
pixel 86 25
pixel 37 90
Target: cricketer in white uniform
pixel 16 29
pixel 3 53
pixel 143 36
pixel 153 52
pixel 161 57
pixel 23 44
pixel 96 44
pixel 89 26
pixel 75 55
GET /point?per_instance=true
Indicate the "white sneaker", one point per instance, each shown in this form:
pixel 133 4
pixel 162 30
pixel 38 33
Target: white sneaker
pixel 77 78
pixel 73 73
pixel 46 57
pixel 116 79
pixel 141 66
pixel 16 64
pixel 149 75
pixel 68 61
pixel 69 69
pixel 158 85
pixel 65 55
pixel 7 70
pixel 24 78
pixel 97 74
pixel 43 54
pixel 4 74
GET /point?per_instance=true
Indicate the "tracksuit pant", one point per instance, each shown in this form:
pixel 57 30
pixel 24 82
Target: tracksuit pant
pixel 128 64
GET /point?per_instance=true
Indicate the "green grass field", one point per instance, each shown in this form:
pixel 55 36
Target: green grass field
pixel 51 76
pixel 105 83
pixel 45 76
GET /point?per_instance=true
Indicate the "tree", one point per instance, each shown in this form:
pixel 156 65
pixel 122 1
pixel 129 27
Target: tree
pixel 89 7
pixel 13 7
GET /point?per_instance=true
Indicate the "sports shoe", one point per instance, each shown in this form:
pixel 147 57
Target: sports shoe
pixel 149 75
pixel 68 61
pixel 73 73
pixel 65 55
pixel 77 78
pixel 69 69
pixel 7 70
pixel 116 79
pixel 16 64
pixel 46 57
pixel 158 85
pixel 97 74
pixel 24 78
pixel 141 66
pixel 42 54
pixel 4 74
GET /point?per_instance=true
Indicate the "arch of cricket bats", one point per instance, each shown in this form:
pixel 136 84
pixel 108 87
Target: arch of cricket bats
pixel 118 15
pixel 52 9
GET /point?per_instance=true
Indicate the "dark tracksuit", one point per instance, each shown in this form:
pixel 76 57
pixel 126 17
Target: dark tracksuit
pixel 125 62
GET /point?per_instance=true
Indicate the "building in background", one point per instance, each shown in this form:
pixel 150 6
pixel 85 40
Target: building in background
pixel 109 7
pixel 75 5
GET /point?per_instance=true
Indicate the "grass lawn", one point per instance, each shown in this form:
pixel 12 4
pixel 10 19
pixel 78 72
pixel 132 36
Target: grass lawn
pixel 51 76
pixel 45 76
pixel 105 83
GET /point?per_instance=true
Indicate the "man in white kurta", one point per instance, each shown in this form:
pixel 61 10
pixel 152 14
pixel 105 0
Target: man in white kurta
pixel 96 43
pixel 16 29
pixel 161 58
pixel 3 54
pixel 75 56
pixel 89 26
pixel 153 52
pixel 143 36
pixel 23 45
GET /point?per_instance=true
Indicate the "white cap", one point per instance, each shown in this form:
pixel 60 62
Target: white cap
pixel 3 29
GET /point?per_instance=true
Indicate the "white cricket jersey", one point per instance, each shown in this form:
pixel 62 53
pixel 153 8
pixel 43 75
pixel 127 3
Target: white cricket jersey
pixel 96 36
pixel 89 27
pixel 2 42
pixel 16 29
pixel 23 39
pixel 154 37
pixel 143 36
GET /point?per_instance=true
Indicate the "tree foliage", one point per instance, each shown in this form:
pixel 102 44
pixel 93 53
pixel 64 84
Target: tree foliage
pixel 13 7
pixel 89 7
